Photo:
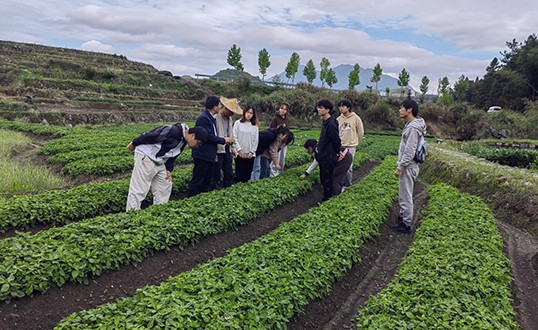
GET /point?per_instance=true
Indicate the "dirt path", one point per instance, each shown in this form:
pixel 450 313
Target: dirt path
pixel 522 249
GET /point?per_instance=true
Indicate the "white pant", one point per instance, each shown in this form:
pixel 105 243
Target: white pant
pixel 146 174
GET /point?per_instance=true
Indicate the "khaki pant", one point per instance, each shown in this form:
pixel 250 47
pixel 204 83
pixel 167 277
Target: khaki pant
pixel 146 174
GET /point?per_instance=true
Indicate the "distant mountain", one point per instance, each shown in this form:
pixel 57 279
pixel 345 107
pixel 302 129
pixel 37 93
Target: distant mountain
pixel 342 71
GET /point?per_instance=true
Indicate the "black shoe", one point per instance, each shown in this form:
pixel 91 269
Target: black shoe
pixel 402 228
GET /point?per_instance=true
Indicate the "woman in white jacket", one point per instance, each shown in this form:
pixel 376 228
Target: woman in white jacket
pixel 245 134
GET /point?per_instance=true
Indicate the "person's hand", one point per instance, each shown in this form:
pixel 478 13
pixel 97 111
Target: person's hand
pixel 242 154
pixel 131 146
pixel 303 176
pixel 397 173
pixel 234 154
pixel 229 140
pixel 277 166
pixel 168 176
pixel 250 155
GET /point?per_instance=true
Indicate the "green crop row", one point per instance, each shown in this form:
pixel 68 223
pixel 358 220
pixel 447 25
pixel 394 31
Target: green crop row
pixel 55 131
pixel 261 284
pixel 78 250
pixel 454 276
pixel 511 192
pixel 512 157
pixel 59 207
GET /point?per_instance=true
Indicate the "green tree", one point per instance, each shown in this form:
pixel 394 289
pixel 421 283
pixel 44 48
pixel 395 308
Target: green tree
pixel 263 62
pixel 376 75
pixel 445 97
pixel 234 57
pixel 403 80
pixel 331 78
pixel 387 91
pixel 461 86
pixel 442 88
pixel 324 65
pixel 309 71
pixel 293 66
pixel 424 87
pixel 354 78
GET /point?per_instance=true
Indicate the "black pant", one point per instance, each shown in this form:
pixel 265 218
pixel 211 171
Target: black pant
pixel 326 168
pixel 201 177
pixel 243 169
pixel 224 165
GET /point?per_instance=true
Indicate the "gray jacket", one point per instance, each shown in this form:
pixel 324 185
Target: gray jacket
pixel 411 134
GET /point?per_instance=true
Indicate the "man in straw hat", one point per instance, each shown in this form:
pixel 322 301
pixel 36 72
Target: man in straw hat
pixel 223 171
pixel 205 156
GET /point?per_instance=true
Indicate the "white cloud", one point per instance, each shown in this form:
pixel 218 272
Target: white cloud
pixel 96 46
pixel 434 38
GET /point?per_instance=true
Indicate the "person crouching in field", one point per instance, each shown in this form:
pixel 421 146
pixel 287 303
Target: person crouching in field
pixel 269 143
pixel 345 158
pixel 154 156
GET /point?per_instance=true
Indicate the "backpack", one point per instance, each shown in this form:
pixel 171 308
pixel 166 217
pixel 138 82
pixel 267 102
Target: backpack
pixel 422 151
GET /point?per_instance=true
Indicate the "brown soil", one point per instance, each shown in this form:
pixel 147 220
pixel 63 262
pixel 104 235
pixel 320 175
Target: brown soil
pixel 379 260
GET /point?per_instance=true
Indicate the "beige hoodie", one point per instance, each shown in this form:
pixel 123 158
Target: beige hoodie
pixel 350 129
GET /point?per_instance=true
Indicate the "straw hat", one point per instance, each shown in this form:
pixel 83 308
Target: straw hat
pixel 232 105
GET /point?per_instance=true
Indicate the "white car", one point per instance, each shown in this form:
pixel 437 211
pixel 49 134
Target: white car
pixel 494 108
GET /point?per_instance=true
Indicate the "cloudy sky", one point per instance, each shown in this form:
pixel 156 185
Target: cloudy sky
pixel 433 38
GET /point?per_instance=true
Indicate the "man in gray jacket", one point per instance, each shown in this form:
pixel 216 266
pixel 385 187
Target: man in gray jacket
pixel 407 168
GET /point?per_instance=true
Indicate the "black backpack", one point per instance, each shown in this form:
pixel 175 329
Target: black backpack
pixel 422 150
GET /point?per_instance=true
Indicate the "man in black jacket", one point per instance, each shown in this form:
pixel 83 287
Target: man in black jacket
pixel 329 146
pixel 205 157
pixel 155 153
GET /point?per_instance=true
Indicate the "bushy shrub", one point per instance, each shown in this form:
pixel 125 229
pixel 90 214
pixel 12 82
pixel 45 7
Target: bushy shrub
pixel 380 115
pixel 360 100
pixel 463 122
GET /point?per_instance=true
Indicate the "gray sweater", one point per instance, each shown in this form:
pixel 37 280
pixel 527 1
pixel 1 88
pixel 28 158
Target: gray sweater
pixel 411 134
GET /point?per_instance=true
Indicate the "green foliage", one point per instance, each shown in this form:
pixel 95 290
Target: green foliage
pixel 377 71
pixel 15 106
pixel 454 276
pixel 512 157
pixel 324 70
pixel 461 86
pixel 463 122
pixel 234 57
pixel 59 207
pixel 511 192
pixel 262 284
pixel 331 78
pixel 82 249
pixel 263 62
pixel 309 71
pixel 403 79
pixel 380 115
pixel 424 82
pixel 354 77
pixel 293 66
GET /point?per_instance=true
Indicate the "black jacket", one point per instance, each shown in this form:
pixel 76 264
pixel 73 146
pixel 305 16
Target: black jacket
pixel 265 139
pixel 208 150
pixel 168 136
pixel 329 144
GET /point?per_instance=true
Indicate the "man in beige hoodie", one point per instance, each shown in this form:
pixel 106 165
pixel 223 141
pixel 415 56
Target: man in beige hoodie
pixel 351 132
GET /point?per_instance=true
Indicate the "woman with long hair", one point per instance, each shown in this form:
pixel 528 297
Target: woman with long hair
pixel 245 134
